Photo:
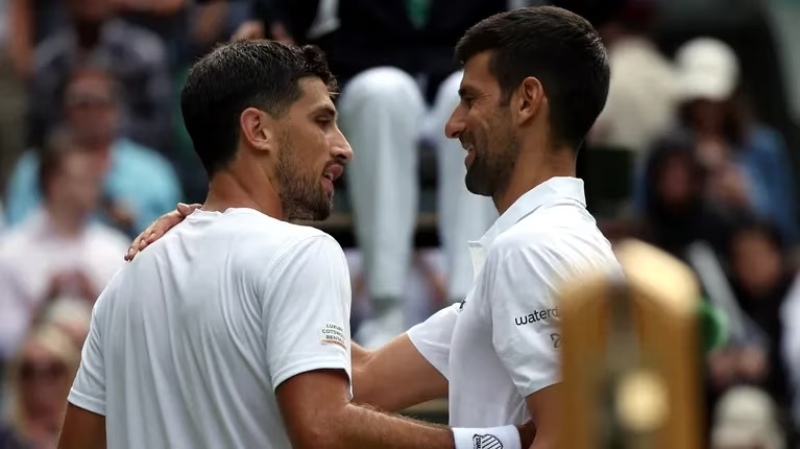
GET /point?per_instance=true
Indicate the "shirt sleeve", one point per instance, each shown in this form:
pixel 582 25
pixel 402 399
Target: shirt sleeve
pixel 307 313
pixel 89 388
pixel 432 337
pixel 524 315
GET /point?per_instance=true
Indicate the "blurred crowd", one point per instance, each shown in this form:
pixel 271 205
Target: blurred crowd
pixel 695 153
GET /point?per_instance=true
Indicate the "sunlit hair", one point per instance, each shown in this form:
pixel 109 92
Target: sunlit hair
pixel 60 346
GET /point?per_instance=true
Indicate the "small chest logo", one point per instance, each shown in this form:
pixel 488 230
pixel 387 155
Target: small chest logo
pixel 461 306
pixel 486 442
pixel 536 316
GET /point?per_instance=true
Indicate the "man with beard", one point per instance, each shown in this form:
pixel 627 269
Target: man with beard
pixel 535 79
pixel 232 332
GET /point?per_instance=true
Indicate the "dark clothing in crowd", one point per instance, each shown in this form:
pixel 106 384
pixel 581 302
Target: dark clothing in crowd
pixel 765 313
pixel 381 33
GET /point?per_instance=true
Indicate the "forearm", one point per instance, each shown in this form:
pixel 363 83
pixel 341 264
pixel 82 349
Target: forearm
pixel 395 377
pixel 359 355
pixel 364 428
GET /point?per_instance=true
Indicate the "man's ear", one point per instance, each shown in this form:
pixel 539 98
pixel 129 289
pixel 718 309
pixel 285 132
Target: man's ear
pixel 256 129
pixel 529 100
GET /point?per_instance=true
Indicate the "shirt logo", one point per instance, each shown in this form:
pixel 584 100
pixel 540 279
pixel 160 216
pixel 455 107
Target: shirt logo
pixel 333 334
pixel 536 316
pixel 556 339
pixel 461 307
pixel 486 442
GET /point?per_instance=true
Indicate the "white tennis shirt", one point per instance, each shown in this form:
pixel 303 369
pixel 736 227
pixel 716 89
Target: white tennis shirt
pixel 501 344
pixel 190 340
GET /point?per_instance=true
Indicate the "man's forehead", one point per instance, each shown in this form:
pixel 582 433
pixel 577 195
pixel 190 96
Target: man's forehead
pixel 315 94
pixel 476 72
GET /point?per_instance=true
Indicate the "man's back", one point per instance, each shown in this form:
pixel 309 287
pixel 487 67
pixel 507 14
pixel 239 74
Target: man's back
pixel 190 340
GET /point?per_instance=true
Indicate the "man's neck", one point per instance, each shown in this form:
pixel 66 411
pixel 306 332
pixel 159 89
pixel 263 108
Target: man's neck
pixel 243 187
pixel 64 222
pixel 532 169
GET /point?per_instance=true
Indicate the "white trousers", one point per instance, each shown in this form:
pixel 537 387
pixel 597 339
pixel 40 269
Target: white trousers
pixel 384 117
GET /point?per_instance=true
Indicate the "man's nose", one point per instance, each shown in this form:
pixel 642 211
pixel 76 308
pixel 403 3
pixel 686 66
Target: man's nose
pixel 341 149
pixel 454 126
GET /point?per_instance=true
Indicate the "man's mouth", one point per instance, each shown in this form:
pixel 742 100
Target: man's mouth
pixel 333 172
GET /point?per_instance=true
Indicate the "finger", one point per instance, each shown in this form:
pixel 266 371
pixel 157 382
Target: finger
pixel 133 249
pixel 144 236
pixel 154 235
pixel 184 209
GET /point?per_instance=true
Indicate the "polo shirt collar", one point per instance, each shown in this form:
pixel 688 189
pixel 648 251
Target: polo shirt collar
pixel 557 188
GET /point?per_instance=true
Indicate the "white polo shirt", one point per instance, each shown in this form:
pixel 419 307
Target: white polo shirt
pixel 501 344
pixel 190 340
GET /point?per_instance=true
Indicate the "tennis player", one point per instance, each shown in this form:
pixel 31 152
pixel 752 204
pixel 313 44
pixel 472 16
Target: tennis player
pixel 535 79
pixel 232 331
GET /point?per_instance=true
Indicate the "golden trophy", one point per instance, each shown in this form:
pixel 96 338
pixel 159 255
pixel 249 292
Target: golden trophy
pixel 631 355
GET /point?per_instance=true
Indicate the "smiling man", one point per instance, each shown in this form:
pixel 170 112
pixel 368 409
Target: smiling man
pixel 232 331
pixel 535 79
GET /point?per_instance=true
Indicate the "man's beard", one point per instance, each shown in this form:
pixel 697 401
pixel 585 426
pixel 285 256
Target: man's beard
pixel 302 195
pixel 490 173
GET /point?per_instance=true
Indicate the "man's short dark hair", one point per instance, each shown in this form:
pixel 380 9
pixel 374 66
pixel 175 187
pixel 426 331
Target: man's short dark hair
pixel 556 46
pixel 239 75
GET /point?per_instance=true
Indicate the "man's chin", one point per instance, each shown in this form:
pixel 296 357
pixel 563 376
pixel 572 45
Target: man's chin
pixel 475 186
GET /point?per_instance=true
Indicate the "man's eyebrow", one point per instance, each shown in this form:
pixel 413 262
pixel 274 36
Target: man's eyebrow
pixel 326 109
pixel 464 91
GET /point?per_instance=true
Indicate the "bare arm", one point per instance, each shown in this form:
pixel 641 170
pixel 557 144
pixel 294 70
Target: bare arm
pixel 543 406
pixel 378 374
pixel 318 415
pixel 82 430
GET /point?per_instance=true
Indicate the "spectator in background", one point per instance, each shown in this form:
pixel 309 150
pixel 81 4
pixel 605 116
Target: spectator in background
pixel 714 113
pixel 643 95
pixel 140 184
pixel 71 314
pixel 39 380
pixel 135 56
pixel 57 251
pixel 747 418
pixel 400 85
pixel 678 212
pixel 12 96
pixel 761 278
pixel 169 19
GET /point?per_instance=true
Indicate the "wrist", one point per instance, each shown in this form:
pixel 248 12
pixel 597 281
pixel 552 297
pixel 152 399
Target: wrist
pixel 506 437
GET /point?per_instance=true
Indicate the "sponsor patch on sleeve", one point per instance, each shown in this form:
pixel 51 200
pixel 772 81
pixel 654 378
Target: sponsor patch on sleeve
pixel 333 334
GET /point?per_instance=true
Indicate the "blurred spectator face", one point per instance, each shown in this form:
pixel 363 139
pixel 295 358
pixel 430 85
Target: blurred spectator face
pixel 44 381
pixel 706 114
pixel 90 11
pixel 674 184
pixel 708 71
pixel 78 183
pixel 91 107
pixel 756 262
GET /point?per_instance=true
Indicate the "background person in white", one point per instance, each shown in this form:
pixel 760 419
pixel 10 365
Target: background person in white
pixel 232 332
pixel 535 79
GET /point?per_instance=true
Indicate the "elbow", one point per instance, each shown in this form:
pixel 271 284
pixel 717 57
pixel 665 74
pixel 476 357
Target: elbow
pixel 326 431
pixel 320 438
pixel 362 388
